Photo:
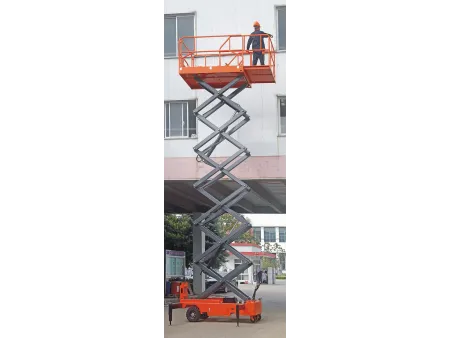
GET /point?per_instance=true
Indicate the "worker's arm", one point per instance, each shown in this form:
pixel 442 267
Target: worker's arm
pixel 249 42
pixel 267 34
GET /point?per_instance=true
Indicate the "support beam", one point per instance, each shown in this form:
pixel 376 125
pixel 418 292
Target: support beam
pixel 179 201
pixel 222 189
pixel 267 196
pixel 172 209
pixel 199 248
pixel 199 198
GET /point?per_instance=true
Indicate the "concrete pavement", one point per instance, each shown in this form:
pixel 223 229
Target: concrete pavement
pixel 272 324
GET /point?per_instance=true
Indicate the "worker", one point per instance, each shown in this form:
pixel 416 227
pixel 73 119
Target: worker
pixel 257 43
pixel 264 277
pixel 259 277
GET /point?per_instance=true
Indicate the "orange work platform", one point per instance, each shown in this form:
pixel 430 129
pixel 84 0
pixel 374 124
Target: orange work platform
pixel 217 60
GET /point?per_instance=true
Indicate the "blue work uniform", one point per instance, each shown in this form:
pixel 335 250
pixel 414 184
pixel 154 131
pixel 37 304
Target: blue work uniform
pixel 257 42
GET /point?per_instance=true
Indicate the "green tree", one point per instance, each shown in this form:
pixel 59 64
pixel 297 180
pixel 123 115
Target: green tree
pixel 276 249
pixel 226 223
pixel 178 235
pixel 267 262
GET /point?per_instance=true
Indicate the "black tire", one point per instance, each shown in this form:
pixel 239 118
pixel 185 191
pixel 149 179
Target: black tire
pixel 258 318
pixel 204 316
pixel 253 319
pixel 193 314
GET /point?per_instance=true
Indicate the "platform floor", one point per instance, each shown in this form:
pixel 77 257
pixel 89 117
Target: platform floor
pixel 272 324
pixel 219 76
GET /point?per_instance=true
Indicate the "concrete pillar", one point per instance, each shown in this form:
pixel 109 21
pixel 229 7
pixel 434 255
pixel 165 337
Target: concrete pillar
pixel 199 248
pixel 262 238
pixel 270 275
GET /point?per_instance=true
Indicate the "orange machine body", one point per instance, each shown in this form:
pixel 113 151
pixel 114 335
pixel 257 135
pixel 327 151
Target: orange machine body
pixel 219 307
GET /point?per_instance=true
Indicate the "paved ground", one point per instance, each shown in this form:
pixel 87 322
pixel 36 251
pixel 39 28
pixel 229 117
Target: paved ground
pixel 272 324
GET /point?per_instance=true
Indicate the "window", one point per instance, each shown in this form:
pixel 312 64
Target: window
pixel 176 27
pixel 179 119
pixel 244 275
pixel 269 235
pixel 257 233
pixel 282 112
pixel 281 27
pixel 256 266
pixel 282 237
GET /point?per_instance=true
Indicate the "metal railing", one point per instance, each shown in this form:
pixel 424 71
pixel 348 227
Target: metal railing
pixel 223 50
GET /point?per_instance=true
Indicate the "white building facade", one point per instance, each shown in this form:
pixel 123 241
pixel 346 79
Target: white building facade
pixel 252 252
pixel 271 229
pixel 265 103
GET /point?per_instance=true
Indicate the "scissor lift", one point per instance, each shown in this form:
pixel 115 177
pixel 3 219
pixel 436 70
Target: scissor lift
pixel 226 67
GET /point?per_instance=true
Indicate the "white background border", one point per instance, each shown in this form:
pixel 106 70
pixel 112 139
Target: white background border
pixel 368 168
pixel 81 169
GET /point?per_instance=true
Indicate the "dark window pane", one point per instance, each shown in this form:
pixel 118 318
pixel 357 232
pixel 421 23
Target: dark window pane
pixel 176 119
pixel 166 113
pixel 283 106
pixel 179 119
pixel 282 234
pixel 185 118
pixel 269 235
pixel 257 233
pixel 192 119
pixel 185 26
pixel 282 28
pixel 170 36
pixel 282 115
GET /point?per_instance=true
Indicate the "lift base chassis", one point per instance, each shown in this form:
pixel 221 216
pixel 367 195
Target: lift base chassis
pixel 198 309
pixel 218 307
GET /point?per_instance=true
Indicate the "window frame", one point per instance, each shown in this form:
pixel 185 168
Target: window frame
pixel 254 233
pixel 279 97
pixel 168 102
pixel 274 235
pixel 237 263
pixel 277 8
pixel 279 234
pixel 176 16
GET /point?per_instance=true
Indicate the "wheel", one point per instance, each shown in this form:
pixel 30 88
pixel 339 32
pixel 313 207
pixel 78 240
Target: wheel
pixel 258 318
pixel 193 314
pixel 253 319
pixel 204 316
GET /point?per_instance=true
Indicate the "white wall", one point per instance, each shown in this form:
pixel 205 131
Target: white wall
pixel 229 265
pixel 261 134
pixel 249 248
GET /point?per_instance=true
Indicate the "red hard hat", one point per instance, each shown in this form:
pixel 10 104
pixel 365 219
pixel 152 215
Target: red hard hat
pixel 256 24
